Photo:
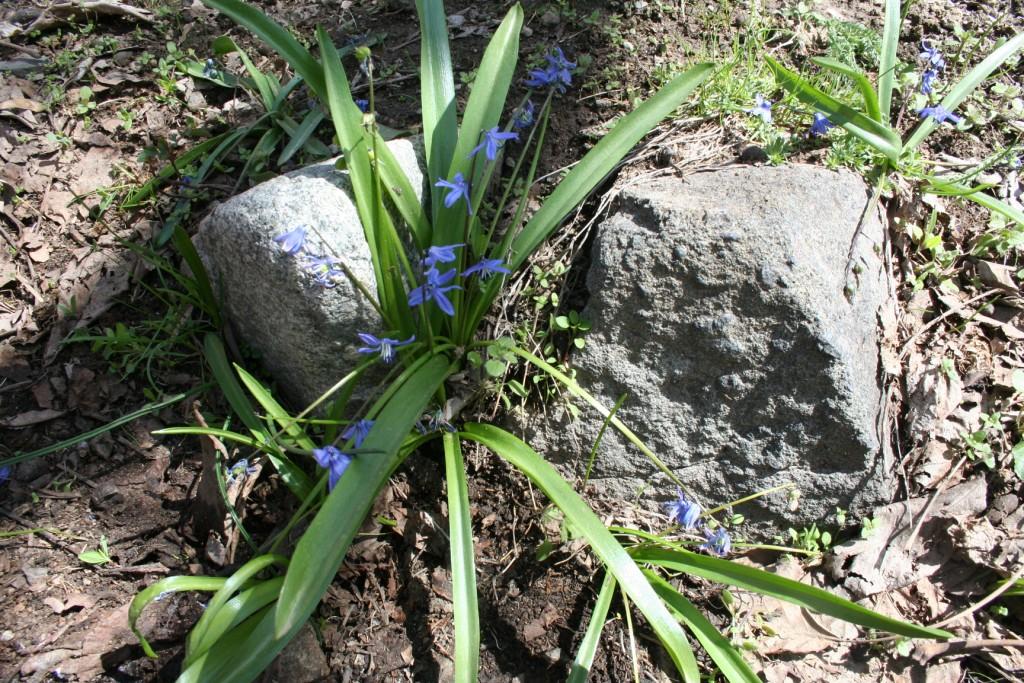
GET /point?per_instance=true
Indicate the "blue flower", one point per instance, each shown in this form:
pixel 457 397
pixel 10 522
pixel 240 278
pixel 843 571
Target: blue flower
pixel 940 114
pixel 358 431
pixel 557 74
pixel 324 269
pixel 435 288
pixel 927 81
pixel 821 124
pixel 364 105
pixel 487 267
pixel 241 469
pixel 5 474
pixel 762 108
pixel 441 254
pixel 291 242
pixel 524 117
pixel 384 346
pixel 493 139
pixel 330 458
pixel 932 55
pixel 684 511
pixel 210 69
pixel 434 422
pixel 458 188
pixel 717 542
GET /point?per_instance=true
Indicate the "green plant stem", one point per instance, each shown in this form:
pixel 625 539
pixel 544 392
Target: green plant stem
pixel 751 497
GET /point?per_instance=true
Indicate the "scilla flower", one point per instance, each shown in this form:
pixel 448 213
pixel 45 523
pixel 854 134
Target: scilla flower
pixel 291 242
pixel 683 511
pixel 384 346
pixel 441 254
pixel 762 108
pixel 821 124
pixel 940 114
pixel 458 189
pixel 358 431
pixel 493 140
pixel 486 268
pixel 435 289
pixel 333 460
pixel 717 542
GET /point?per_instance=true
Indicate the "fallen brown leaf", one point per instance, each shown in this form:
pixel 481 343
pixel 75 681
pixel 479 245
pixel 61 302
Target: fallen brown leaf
pixel 31 417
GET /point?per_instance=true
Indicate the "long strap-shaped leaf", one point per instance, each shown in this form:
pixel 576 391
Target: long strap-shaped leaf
pixel 729 661
pixel 867 91
pixel 965 86
pixel 157 591
pixel 766 583
pixel 887 59
pixel 322 548
pixel 278 38
pixel 437 94
pixel 483 111
pixel 879 136
pixel 602 159
pixel 604 545
pixel 460 537
pixel 588 646
pixel 978 197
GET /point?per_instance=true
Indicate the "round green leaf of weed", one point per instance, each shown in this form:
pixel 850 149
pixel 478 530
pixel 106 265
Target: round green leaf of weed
pixel 579 342
pixel 562 322
pixel 494 368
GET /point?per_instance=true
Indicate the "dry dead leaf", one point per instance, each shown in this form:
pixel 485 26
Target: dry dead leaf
pixel 997 275
pixel 94 170
pixel 934 396
pixel 22 103
pixel 31 417
pixel 970 314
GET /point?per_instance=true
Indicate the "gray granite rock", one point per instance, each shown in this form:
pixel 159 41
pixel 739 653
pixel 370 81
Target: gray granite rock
pixel 718 305
pixel 303 333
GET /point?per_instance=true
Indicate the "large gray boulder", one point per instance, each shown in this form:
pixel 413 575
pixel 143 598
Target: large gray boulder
pixel 718 306
pixel 304 333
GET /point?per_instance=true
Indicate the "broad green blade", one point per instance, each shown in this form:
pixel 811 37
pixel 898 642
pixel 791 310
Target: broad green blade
pixel 437 94
pixel 300 136
pixel 726 657
pixel 965 86
pixel 600 161
pixel 766 583
pixel 277 38
pixel 588 646
pixel 234 583
pixel 217 359
pixel 460 536
pixel 235 611
pixel 158 590
pixel 582 518
pixel 403 195
pixel 322 548
pixel 183 243
pixel 264 85
pixel 887 59
pixel 242 653
pixel 483 111
pixel 872 132
pixel 867 91
pixel 260 153
pixel 978 197
pixel 285 421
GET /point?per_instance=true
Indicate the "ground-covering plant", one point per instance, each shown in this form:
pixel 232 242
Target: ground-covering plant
pixel 875 121
pixel 437 272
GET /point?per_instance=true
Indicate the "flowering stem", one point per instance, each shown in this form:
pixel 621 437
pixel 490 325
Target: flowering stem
pixel 752 496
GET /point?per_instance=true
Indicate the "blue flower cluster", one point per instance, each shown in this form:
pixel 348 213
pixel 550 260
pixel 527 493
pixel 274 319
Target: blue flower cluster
pixel 324 269
pixel 934 63
pixel 557 74
pixel 333 460
pixel 437 284
pixel 687 513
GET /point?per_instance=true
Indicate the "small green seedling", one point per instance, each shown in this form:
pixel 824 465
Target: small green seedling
pixel 98 557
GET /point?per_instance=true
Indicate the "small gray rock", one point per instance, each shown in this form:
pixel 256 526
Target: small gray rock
pixel 303 332
pixel 717 303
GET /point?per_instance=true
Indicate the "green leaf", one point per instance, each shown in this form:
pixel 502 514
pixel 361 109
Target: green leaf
pixel 242 654
pixel 978 197
pixel 876 134
pixel 223 434
pixel 278 38
pixel 867 91
pixel 460 535
pixel 300 136
pixel 187 250
pixel 172 584
pixel 236 610
pixel 965 86
pixel 494 368
pixel 604 545
pixel 726 657
pixel 887 59
pixel 601 160
pixel 94 557
pixel 437 95
pixel 1018 459
pixel 322 548
pixel 588 646
pixel 148 189
pixel 264 85
pixel 766 583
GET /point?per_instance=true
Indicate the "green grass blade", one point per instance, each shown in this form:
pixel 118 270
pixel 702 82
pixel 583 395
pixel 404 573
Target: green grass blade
pixel 604 545
pixel 483 111
pixel 234 584
pixel 217 359
pixel 965 86
pixel 601 160
pixel 887 59
pixel 588 646
pixel 236 610
pixel 322 548
pixel 156 591
pixel 766 583
pixel 301 136
pixel 460 533
pixel 183 243
pixel 403 195
pixel 877 135
pixel 978 197
pixel 286 422
pixel 223 434
pixel 437 94
pixel 148 189
pixel 242 654
pixel 728 659
pixel 277 38
pixel 867 91
pixel 264 85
